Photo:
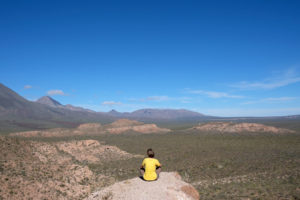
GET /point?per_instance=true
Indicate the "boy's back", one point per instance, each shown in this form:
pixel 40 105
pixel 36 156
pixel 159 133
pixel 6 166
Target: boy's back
pixel 150 165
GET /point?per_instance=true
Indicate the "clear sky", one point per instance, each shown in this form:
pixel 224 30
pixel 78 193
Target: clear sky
pixel 223 58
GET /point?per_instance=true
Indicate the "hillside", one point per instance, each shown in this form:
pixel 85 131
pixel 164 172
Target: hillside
pixel 117 127
pixel 57 170
pixel 229 127
pixel 17 113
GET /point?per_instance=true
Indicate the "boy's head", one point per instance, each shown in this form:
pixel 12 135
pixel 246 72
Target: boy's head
pixel 150 153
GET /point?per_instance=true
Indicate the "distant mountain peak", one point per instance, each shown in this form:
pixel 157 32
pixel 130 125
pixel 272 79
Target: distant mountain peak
pixel 113 111
pixel 48 101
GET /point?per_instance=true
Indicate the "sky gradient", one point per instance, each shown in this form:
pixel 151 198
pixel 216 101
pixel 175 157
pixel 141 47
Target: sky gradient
pixel 223 58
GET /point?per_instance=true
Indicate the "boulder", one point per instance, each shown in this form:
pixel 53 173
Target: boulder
pixel 169 186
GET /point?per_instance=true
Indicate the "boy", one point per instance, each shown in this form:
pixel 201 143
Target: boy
pixel 150 167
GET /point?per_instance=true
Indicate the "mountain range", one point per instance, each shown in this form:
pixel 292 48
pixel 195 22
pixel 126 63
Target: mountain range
pixel 18 113
pixel 142 114
pixel 46 100
pixel 162 114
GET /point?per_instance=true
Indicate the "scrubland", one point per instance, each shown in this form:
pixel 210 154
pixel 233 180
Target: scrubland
pixel 219 166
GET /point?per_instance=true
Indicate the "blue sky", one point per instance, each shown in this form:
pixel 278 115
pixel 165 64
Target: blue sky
pixel 224 58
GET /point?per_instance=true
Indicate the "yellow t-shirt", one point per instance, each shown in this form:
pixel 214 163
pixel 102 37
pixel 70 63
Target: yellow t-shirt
pixel 150 165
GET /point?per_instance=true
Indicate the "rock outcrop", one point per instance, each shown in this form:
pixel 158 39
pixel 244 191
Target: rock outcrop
pixel 125 122
pixel 60 132
pixel 169 186
pixel 228 127
pixel 117 127
pixel 89 127
pixel 56 170
pixel 125 125
pixel 92 151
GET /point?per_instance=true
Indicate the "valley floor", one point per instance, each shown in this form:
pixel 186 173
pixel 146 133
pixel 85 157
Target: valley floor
pixel 218 166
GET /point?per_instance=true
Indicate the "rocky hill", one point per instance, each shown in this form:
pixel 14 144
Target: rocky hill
pixel 17 113
pixel 125 125
pixel 61 170
pixel 117 127
pixel 57 170
pixel 169 186
pixel 229 127
pixel 125 122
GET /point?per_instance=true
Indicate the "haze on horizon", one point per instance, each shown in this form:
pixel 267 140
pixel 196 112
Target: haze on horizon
pixel 221 58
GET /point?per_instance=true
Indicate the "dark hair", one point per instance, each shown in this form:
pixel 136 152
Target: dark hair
pixel 150 153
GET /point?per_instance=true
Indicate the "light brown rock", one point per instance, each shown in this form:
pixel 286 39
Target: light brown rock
pixel 92 151
pixel 125 122
pixel 144 128
pixel 54 170
pixel 229 127
pixel 117 127
pixel 169 186
pixel 89 126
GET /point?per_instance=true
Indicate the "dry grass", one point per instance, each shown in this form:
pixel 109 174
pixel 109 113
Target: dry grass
pixel 229 166
pixel 219 166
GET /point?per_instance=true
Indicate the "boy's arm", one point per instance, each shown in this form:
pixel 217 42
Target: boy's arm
pixel 158 164
pixel 143 164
